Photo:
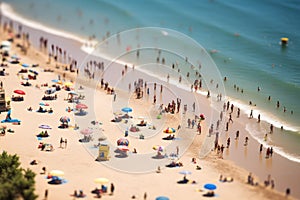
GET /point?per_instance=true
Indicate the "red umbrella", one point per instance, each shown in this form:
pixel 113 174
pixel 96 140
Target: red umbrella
pixel 81 106
pixel 21 92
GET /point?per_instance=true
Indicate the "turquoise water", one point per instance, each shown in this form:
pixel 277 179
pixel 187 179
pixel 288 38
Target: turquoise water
pixel 245 35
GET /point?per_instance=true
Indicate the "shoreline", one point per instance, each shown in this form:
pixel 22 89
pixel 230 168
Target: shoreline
pixel 87 47
pixel 292 190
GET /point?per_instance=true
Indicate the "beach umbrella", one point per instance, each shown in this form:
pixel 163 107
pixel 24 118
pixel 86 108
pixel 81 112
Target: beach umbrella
pixel 15 57
pixel 25 65
pixel 50 90
pixel 33 71
pixel 169 130
pixel 127 109
pixel 123 148
pixel 81 106
pixel 54 80
pixel 101 181
pixel 185 172
pixel 21 92
pixel 68 84
pixel 158 148
pixel 73 93
pixel 43 104
pixel 44 126
pixel 122 142
pixel 86 131
pixel 5 43
pixel 64 119
pixel 57 173
pixel 210 186
pixel 162 198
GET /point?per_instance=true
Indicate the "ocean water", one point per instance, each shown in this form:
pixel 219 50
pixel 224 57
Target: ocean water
pixel 242 36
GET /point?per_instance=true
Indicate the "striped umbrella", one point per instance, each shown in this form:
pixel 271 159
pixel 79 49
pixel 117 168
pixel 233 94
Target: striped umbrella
pixel 122 142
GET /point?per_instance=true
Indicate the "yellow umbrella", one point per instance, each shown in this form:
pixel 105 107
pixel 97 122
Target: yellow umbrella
pixel 56 173
pixel 101 180
pixel 68 84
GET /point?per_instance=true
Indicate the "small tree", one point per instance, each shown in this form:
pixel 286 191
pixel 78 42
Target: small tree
pixel 15 182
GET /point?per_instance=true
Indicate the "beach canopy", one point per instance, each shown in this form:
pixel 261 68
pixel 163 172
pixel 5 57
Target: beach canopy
pixel 169 130
pixel 210 186
pixel 162 198
pixel 185 172
pixel 101 181
pixel 44 126
pixel 127 109
pixel 21 92
pixel 122 142
pixel 56 173
pixel 86 131
pixel 81 106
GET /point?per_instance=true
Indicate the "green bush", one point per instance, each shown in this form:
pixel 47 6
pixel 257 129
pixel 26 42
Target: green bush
pixel 15 182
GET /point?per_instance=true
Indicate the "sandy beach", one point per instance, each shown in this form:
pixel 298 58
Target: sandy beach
pixel 132 175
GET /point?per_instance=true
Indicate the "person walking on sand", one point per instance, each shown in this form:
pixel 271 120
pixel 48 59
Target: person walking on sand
pixel 145 196
pixel 228 142
pixel 258 118
pixel 230 118
pixel 66 143
pixel 271 128
pixel 238 112
pixel 251 114
pixel 260 148
pixel 61 142
pixel 237 134
pixel 154 99
pixel 112 188
pixel 46 194
pixel 246 141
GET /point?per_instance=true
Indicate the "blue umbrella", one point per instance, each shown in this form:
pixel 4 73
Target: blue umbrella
pixel 210 186
pixel 127 109
pixel 55 81
pixel 44 126
pixel 25 65
pixel 185 172
pixel 162 198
